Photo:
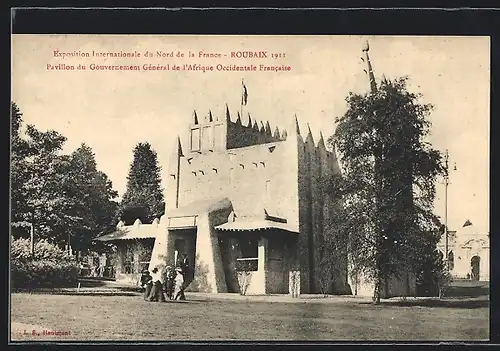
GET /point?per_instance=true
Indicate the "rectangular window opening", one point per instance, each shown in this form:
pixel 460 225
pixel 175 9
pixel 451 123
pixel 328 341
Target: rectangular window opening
pixel 248 261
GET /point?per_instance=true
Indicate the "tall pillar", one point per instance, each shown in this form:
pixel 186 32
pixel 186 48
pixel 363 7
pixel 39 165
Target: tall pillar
pixel 263 254
pixel 258 280
pixel 263 262
pixel 160 252
pixel 209 273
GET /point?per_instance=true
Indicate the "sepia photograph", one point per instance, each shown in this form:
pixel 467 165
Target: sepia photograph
pixel 176 188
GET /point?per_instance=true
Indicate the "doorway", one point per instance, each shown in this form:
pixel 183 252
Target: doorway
pixel 183 251
pixel 180 249
pixel 474 263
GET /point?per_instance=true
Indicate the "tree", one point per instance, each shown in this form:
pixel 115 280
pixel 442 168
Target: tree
pixel 432 275
pixel 17 170
pixel 37 171
pixel 143 198
pixel 18 144
pixel 62 196
pixel 388 181
pixel 332 247
pixel 91 195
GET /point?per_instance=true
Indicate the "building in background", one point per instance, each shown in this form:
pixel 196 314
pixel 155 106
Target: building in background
pixel 468 253
pixel 134 245
pixel 245 205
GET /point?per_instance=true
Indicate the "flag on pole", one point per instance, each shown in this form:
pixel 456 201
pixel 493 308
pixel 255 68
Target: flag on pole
pixel 244 96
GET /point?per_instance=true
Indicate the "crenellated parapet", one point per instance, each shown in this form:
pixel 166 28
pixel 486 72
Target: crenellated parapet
pixel 211 133
pixel 217 133
pixel 242 133
pixel 208 134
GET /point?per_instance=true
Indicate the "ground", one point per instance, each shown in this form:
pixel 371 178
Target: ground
pixel 205 318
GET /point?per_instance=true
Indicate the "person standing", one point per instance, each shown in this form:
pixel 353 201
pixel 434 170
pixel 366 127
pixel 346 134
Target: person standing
pixel 185 266
pixel 146 283
pixel 157 289
pixel 179 285
pixel 169 282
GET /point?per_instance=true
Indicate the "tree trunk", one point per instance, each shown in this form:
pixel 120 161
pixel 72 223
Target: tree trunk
pixel 376 292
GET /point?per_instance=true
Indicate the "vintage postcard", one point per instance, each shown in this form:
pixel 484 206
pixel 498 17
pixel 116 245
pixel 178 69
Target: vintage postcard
pixel 280 188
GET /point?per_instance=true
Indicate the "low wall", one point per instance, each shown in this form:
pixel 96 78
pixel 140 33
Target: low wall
pixel 252 283
pixel 404 286
pixel 277 282
pixel 395 287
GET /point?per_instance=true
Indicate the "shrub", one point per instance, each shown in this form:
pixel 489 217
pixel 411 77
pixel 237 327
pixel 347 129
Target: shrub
pixel 21 250
pixel 244 278
pixel 51 266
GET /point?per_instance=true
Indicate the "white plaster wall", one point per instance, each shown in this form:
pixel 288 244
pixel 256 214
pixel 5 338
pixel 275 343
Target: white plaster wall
pixel 256 283
pixel 467 247
pixel 208 253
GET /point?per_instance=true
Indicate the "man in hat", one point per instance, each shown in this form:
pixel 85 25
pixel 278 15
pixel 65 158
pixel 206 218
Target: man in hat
pixel 179 285
pixel 185 265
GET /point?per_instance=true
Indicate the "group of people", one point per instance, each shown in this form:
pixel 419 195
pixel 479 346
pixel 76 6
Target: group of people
pixel 158 283
pixel 97 271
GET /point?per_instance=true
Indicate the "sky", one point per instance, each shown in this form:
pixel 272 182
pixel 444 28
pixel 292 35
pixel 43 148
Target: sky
pixel 112 111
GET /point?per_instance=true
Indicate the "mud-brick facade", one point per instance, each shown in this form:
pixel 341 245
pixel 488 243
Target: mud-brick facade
pixel 244 202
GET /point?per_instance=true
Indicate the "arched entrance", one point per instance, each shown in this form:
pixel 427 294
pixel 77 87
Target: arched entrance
pixel 474 263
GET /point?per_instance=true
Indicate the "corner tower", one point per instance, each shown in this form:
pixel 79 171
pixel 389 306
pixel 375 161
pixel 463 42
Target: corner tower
pixel 208 136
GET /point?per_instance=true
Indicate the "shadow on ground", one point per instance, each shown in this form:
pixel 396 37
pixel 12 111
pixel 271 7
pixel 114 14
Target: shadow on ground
pixel 459 303
pixel 91 283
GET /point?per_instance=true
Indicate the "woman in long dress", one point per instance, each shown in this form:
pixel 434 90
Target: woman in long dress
pixel 179 285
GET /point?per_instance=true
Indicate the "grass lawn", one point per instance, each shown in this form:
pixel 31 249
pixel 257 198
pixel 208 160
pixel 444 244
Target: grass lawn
pixel 131 318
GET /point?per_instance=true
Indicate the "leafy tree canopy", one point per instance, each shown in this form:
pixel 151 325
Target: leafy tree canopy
pixel 387 186
pixel 61 195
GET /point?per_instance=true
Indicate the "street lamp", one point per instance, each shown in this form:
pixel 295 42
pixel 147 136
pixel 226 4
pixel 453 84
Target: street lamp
pixel 446 183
